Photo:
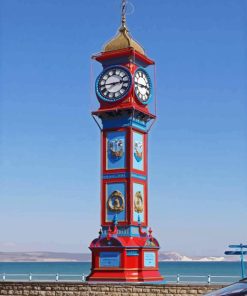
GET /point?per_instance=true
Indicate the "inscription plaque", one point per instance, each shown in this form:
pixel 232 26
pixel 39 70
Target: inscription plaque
pixel 149 259
pixel 109 259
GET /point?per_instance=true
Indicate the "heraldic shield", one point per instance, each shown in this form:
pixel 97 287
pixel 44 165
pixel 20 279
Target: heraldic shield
pixel 138 151
pixel 115 149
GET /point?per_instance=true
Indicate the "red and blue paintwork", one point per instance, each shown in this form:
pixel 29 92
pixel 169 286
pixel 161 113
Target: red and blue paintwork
pixel 124 250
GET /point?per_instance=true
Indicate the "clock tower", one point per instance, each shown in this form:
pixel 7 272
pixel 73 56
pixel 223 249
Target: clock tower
pixel 125 250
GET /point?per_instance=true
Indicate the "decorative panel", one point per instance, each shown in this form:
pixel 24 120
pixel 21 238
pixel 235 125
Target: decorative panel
pixel 138 202
pixel 109 259
pixel 149 259
pixel 115 150
pixel 115 201
pixel 138 151
pixel 132 253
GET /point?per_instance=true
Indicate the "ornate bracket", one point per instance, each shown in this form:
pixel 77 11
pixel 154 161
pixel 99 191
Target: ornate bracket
pixel 113 231
pixel 141 231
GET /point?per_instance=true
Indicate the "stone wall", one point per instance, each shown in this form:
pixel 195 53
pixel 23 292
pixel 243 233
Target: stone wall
pixel 86 289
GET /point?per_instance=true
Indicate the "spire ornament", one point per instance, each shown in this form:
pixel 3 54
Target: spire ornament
pixel 123 38
pixel 124 9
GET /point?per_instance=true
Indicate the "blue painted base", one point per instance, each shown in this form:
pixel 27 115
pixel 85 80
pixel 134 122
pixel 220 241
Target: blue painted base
pixel 132 231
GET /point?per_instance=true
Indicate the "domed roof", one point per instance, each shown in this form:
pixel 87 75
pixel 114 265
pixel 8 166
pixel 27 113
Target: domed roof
pixel 123 40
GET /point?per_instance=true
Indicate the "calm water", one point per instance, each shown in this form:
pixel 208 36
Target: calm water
pixel 75 270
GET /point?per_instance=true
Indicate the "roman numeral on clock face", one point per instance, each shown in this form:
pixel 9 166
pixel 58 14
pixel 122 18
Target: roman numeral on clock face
pixel 113 83
pixel 142 85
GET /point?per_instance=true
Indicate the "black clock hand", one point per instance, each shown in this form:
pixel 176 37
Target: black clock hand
pixel 142 85
pixel 114 83
pixel 112 86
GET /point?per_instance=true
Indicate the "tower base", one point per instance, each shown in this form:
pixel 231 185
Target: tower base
pixel 125 275
pixel 125 259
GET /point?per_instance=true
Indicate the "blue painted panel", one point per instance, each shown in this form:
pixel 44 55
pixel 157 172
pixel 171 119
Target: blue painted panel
pixel 124 175
pixel 139 126
pixel 138 216
pixel 134 230
pixel 149 259
pixel 132 253
pixel 116 122
pixel 138 151
pixel 138 176
pixel 109 259
pixel 116 176
pixel 109 190
pixel 116 150
pixel 139 122
pixel 124 121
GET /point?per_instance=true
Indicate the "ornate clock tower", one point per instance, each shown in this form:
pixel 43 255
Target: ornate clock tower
pixel 125 249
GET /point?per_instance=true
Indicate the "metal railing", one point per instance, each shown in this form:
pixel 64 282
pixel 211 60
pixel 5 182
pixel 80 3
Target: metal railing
pixel 201 279
pixel 42 277
pixel 178 278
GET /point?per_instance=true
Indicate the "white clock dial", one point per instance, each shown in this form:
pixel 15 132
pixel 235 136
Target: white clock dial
pixel 142 86
pixel 113 84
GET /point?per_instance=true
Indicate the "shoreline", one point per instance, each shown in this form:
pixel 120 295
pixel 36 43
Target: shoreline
pixel 75 261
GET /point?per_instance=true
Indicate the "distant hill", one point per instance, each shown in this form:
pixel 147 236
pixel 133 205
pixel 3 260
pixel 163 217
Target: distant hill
pixel 86 257
pixel 173 256
pixel 43 257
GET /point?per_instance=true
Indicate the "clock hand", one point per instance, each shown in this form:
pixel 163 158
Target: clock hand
pixel 142 85
pixel 114 83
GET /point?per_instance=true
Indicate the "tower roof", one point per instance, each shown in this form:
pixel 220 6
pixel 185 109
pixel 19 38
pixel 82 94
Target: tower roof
pixel 123 40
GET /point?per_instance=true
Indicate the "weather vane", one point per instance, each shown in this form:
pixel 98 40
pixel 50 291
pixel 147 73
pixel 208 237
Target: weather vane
pixel 127 8
pixel 124 8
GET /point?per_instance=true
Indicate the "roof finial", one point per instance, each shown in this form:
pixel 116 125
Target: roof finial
pixel 124 8
pixel 123 38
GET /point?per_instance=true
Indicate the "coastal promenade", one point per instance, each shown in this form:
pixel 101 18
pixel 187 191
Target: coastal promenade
pixel 87 289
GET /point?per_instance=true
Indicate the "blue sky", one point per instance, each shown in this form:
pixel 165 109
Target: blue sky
pixel 49 196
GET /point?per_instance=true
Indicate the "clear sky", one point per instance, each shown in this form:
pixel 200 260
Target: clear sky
pixel 49 196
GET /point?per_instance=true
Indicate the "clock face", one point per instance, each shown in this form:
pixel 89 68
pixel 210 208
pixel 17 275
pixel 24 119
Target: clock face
pixel 113 84
pixel 143 86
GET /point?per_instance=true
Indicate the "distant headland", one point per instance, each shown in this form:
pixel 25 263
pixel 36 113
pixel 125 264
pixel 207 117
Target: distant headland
pixel 85 257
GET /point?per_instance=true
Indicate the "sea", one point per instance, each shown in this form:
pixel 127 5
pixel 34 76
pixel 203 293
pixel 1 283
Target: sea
pixel 182 272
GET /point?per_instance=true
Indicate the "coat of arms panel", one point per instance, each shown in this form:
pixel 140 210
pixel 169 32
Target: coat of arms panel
pixel 116 150
pixel 138 151
pixel 138 202
pixel 115 201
